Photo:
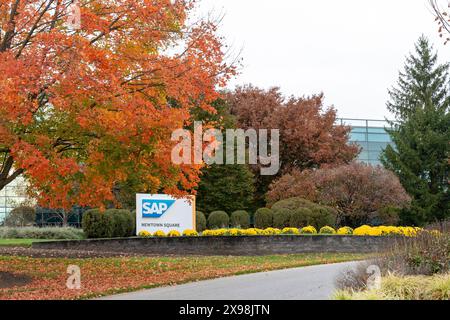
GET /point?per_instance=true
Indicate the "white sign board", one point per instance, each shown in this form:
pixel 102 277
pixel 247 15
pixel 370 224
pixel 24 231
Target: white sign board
pixel 163 212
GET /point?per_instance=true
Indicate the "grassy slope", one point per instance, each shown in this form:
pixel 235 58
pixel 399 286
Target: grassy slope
pixel 102 276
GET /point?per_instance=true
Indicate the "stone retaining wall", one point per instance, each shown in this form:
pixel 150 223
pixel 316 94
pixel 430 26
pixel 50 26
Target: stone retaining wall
pixel 239 246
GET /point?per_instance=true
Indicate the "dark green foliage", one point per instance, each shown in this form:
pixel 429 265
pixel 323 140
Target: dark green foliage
pixel 122 222
pixel 263 218
pixel 225 187
pixel 200 221
pixel 20 217
pixel 304 213
pixel 282 218
pixel 111 223
pixel 300 218
pixel 218 219
pixel 389 216
pixel 240 219
pixel 421 135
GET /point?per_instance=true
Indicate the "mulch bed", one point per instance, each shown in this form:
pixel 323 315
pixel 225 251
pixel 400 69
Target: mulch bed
pixel 10 280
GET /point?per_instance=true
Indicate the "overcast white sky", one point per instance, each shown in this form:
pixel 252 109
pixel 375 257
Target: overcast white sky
pixel 351 50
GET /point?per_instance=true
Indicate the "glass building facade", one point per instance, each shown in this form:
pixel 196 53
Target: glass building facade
pixel 371 136
pixel 12 196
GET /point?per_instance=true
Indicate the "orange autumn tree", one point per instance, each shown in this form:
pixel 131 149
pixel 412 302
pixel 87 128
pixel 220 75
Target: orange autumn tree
pixel 84 109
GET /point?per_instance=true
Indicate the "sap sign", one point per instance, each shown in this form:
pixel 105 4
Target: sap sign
pixel 163 212
pixel 155 208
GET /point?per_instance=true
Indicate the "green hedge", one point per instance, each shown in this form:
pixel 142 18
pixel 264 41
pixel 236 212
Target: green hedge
pixel 240 219
pixel 200 220
pixel 113 223
pixel 218 219
pixel 263 218
pixel 41 233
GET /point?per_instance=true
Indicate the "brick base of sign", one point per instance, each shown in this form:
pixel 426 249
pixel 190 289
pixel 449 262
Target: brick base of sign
pixel 238 246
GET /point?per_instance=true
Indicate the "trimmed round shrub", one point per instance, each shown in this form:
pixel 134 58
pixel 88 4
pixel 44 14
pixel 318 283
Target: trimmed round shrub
pixel 308 230
pixel 290 231
pixel 173 234
pixel 97 225
pixel 345 231
pixel 327 230
pixel 144 234
pixel 200 221
pixel 113 223
pixel 122 222
pixel 240 219
pixel 281 218
pixel 263 218
pixel 218 219
pixel 159 234
pixel 319 216
pixel 190 233
pixel 300 217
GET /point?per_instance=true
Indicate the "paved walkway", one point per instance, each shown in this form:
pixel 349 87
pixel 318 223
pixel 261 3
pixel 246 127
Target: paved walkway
pixel 307 283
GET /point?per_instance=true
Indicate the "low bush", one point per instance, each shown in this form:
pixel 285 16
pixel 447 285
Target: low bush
pixel 308 230
pixel 345 231
pixel 200 221
pixel 327 230
pixel 190 233
pixel 281 218
pixel 218 219
pixel 419 253
pixel 240 219
pixel 395 287
pixel 122 222
pixel 304 212
pixel 292 231
pixel 263 218
pixel 159 234
pixel 41 233
pixel 111 223
pixel 173 234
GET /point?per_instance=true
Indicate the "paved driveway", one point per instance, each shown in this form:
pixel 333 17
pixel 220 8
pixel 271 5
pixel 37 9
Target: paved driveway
pixel 307 283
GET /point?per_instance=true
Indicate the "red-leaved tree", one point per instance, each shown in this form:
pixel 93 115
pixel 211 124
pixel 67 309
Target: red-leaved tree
pixel 362 193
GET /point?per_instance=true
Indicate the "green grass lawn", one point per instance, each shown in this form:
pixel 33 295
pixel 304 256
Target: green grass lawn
pixel 19 242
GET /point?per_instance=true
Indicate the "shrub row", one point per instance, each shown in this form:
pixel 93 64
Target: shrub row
pixel 41 233
pixel 289 213
pixel 308 230
pixel 113 223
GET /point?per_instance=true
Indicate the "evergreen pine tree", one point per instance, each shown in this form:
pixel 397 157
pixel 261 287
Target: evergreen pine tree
pixel 224 187
pixel 421 134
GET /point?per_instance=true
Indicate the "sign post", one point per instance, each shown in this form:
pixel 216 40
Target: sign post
pixel 156 212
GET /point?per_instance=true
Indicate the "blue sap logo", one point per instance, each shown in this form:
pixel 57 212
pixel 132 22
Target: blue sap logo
pixel 155 208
